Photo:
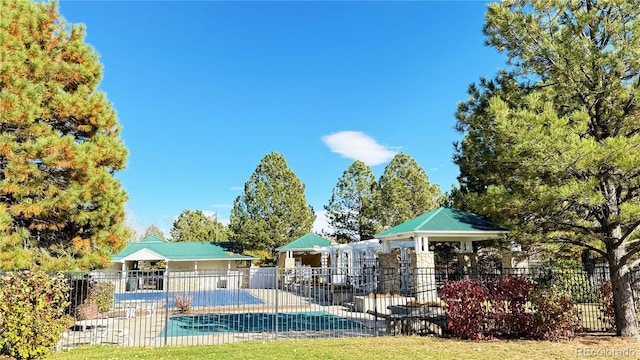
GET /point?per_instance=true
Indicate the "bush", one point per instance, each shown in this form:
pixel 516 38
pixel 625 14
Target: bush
pixel 32 313
pixel 466 308
pixel 183 302
pixel 102 294
pixel 608 313
pixel 90 298
pixel 512 309
pixel 555 314
pixel 509 307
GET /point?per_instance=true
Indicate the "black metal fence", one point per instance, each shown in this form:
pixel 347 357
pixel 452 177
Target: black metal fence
pixel 209 307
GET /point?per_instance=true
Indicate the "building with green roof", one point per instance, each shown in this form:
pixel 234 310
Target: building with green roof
pixel 302 251
pixel 443 224
pixel 151 257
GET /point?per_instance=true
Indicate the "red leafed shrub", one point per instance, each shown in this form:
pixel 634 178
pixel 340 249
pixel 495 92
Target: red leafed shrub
pixel 466 307
pixel 509 315
pixel 555 314
pixel 608 314
pixel 514 308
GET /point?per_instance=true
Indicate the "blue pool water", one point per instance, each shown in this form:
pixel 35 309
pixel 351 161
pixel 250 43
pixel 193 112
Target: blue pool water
pixel 221 297
pixel 202 324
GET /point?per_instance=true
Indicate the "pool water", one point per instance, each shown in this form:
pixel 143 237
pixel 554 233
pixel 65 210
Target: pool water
pixel 202 324
pixel 220 297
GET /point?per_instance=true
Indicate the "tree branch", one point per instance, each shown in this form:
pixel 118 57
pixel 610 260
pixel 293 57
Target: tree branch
pixel 633 265
pixel 631 231
pixel 580 243
pixel 630 253
pixel 584 230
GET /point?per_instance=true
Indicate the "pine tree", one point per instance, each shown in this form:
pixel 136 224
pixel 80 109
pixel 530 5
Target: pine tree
pixel 565 167
pixel 60 205
pixel 153 230
pixel 405 192
pixel 272 210
pixel 350 211
pixel 196 226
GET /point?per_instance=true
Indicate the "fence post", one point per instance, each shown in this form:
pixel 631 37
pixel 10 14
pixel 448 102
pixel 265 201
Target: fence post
pixel 166 309
pixel 375 306
pixel 275 321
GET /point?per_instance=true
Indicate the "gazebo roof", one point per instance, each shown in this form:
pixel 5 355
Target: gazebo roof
pixel 153 246
pixel 444 224
pixel 308 242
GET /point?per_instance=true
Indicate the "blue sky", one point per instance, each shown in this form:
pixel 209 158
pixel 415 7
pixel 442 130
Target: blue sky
pixel 205 89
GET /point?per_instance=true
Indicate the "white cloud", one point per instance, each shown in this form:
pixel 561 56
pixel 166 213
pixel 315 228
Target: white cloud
pixel 358 146
pixel 236 188
pixel 321 223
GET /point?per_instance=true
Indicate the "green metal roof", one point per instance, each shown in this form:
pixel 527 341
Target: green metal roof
pixel 179 251
pixel 444 219
pixel 306 242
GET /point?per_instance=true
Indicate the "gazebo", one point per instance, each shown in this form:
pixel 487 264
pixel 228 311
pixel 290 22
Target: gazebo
pixel 443 224
pixel 303 251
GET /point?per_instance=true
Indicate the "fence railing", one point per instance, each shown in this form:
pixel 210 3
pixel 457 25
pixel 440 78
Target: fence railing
pixel 158 308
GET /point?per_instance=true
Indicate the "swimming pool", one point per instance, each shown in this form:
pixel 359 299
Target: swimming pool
pixel 202 324
pixel 221 297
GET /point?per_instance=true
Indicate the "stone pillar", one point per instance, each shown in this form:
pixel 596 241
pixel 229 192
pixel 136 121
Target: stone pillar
pixel 389 281
pixel 426 289
pixel 467 259
pixel 413 268
pixel 511 261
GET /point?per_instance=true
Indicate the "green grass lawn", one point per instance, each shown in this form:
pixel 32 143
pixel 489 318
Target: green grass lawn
pixel 398 347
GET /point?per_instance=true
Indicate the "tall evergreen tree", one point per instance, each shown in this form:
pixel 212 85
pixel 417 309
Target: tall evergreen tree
pixel 60 205
pixel 567 167
pixel 153 230
pixel 350 211
pixel 196 226
pixel 405 192
pixel 272 210
pixel 475 152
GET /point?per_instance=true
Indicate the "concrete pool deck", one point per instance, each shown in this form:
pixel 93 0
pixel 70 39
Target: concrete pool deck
pixel 146 327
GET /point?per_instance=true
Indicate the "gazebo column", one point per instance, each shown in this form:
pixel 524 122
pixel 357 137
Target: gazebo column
pixel 289 260
pixel 388 279
pixel 388 275
pixel 386 246
pixel 123 269
pixel 467 259
pixel 426 289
